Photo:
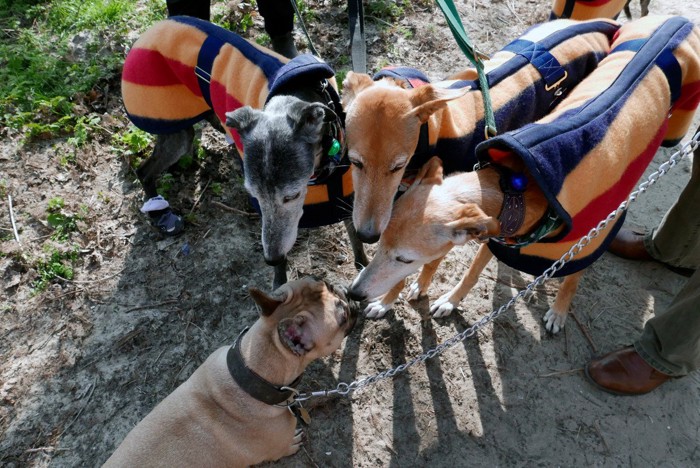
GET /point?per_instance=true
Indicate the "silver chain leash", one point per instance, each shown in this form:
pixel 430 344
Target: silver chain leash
pixel 345 389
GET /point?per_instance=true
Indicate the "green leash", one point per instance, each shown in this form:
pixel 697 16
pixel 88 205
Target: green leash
pixel 450 11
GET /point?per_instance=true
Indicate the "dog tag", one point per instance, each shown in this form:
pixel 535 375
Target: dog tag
pixel 300 413
pixel 334 149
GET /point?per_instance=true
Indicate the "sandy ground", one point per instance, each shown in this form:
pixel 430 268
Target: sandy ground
pixel 82 362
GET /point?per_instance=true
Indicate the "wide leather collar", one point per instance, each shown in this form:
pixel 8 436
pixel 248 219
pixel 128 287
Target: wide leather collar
pixel 252 383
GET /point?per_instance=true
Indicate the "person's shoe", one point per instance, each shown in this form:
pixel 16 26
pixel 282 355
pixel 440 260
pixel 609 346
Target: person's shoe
pixel 629 244
pixel 284 45
pixel 624 372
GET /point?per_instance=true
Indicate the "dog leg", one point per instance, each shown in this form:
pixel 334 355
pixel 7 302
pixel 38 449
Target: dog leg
pixel 420 287
pixel 377 309
pixel 358 248
pixel 167 151
pixel 556 315
pixel 280 277
pixel 448 302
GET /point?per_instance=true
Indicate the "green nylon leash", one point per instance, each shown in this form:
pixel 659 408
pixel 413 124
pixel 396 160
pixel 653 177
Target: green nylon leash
pixel 460 34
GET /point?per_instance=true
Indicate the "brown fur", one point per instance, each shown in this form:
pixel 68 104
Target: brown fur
pixel 431 218
pixel 210 421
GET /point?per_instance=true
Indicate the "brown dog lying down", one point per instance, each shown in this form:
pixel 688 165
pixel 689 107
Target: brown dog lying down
pixel 543 187
pixel 232 411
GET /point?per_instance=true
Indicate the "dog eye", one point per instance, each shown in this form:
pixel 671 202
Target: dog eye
pixel 289 198
pixel 403 260
pixel 397 169
pixel 356 163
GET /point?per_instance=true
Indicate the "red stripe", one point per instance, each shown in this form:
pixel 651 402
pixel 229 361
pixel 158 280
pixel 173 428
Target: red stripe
pixel 690 97
pixel 223 102
pixel 600 207
pixel 148 67
pixel 594 3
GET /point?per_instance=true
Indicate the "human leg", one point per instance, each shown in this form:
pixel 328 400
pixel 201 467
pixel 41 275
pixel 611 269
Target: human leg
pixel 676 241
pixel 196 8
pixel 670 341
pixel 279 23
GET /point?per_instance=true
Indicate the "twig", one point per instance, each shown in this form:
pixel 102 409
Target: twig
pixel 90 281
pixel 309 456
pixel 600 434
pixel 231 209
pixel 12 219
pixel 92 390
pixel 153 306
pixel 585 331
pixel 196 202
pixel 558 373
pixel 48 449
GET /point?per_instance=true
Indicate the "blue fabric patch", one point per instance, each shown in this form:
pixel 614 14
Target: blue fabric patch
pixel 305 68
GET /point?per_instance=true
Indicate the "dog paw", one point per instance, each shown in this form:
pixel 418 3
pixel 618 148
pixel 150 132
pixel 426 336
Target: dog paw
pixel 554 321
pixel 442 307
pixel 377 309
pixel 414 292
pixel 297 441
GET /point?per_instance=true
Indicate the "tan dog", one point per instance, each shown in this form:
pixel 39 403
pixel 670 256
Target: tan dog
pixel 232 411
pixel 395 125
pixel 431 218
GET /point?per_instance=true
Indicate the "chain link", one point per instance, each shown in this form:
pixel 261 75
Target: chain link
pixel 345 389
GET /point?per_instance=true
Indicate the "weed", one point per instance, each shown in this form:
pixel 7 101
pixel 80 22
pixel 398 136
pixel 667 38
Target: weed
pixel 217 188
pixel 62 223
pixel 133 144
pixel 165 183
pixel 57 266
pixel 387 9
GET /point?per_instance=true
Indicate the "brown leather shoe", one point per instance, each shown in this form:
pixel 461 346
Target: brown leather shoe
pixel 624 372
pixel 629 244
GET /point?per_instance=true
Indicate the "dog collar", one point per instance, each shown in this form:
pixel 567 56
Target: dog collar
pixel 252 383
pixel 513 185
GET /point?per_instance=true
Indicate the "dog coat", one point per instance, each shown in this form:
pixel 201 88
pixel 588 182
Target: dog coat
pixel 526 79
pixel 182 68
pixel 590 152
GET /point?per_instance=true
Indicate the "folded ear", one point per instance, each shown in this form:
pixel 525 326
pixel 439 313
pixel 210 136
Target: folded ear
pixel 428 99
pixel 268 303
pixel 353 84
pixel 309 121
pixel 243 119
pixel 473 223
pixel 430 173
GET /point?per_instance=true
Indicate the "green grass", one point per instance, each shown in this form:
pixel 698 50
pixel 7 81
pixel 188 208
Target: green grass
pixel 58 265
pixel 51 52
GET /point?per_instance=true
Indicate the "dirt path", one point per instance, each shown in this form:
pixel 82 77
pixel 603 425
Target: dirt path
pixel 83 361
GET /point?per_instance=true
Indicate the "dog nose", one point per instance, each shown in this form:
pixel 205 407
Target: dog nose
pixel 355 295
pixel 368 237
pixel 275 261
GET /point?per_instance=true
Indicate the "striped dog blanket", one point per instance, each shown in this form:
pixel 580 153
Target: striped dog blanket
pixel 182 68
pixel 589 153
pixel 527 78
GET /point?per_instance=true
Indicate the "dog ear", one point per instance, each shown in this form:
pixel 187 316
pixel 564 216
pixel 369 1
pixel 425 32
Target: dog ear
pixel 428 99
pixel 243 119
pixel 473 223
pixel 309 122
pixel 268 303
pixel 353 84
pixel 430 173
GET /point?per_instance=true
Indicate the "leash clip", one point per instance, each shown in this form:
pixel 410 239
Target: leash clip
pixel 559 82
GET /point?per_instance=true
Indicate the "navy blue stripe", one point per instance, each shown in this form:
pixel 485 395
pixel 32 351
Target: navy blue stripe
pixel 163 126
pixel 205 61
pixel 267 63
pixel 674 75
pixel 634 45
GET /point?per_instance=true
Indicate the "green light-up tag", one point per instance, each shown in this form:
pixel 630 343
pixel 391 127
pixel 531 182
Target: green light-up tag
pixel 334 149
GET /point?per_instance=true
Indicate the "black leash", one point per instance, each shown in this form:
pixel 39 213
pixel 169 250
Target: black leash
pixel 358 45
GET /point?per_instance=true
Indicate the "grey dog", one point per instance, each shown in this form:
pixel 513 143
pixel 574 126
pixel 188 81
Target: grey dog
pixel 285 114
